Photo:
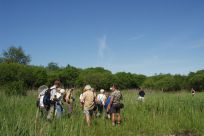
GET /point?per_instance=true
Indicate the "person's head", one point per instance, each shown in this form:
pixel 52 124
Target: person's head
pixel 113 88
pixel 102 91
pixel 57 83
pixel 87 88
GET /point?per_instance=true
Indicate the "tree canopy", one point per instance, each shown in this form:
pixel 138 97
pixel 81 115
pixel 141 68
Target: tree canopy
pixel 31 77
pixel 15 55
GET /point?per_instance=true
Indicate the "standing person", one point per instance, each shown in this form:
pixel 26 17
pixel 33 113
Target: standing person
pixel 141 95
pixel 88 103
pixel 69 99
pixel 100 102
pixel 115 105
pixel 193 91
pixel 53 91
pixel 58 102
pixel 40 104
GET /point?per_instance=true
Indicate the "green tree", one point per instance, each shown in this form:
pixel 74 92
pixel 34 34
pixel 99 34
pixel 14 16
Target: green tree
pixel 9 73
pixel 68 76
pixel 165 82
pixel 40 76
pixel 196 80
pixel 96 77
pixel 127 80
pixel 53 66
pixel 15 55
pixel 124 80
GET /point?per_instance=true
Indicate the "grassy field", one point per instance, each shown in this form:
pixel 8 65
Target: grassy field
pixel 161 114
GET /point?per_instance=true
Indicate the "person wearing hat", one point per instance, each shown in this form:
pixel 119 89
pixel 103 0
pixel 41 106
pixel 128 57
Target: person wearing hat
pixel 100 102
pixel 88 103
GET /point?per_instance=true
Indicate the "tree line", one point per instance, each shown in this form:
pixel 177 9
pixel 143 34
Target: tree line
pixel 15 70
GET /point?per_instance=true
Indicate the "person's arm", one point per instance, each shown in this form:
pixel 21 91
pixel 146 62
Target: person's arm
pixel 83 99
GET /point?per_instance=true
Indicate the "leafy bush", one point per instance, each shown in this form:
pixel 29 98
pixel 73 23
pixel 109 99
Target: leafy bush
pixel 96 77
pixel 196 80
pixel 15 88
pixel 163 82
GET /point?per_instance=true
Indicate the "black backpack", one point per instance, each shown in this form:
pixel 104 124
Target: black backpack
pixel 46 99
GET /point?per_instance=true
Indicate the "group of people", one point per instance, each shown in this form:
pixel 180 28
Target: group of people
pixel 51 99
pixel 96 105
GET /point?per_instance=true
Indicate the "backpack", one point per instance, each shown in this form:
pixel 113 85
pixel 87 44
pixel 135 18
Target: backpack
pixel 107 102
pixel 46 99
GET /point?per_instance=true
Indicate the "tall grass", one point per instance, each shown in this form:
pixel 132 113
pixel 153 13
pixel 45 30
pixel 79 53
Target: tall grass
pixel 160 114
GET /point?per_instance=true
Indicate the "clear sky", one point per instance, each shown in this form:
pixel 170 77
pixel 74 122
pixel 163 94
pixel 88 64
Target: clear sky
pixel 138 36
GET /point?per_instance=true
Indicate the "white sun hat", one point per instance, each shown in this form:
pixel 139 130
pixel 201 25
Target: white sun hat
pixel 102 91
pixel 87 87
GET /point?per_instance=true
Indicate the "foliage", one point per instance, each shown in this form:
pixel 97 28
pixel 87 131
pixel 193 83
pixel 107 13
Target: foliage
pixel 196 80
pixel 32 76
pixel 127 80
pixel 40 76
pixel 15 88
pixel 13 69
pixel 68 76
pixel 15 55
pixel 35 76
pixel 53 66
pixel 97 77
pixel 164 82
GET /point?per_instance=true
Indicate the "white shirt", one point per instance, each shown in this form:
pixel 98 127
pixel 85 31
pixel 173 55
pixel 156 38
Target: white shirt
pixel 41 96
pixel 41 101
pixel 59 97
pixel 53 92
pixel 101 98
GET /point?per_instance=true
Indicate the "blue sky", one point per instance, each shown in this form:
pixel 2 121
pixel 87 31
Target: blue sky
pixel 138 36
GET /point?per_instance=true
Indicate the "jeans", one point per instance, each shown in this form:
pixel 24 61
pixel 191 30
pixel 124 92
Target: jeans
pixel 58 110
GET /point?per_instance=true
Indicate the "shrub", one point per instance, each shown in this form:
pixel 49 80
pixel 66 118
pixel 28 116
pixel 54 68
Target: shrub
pixel 15 88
